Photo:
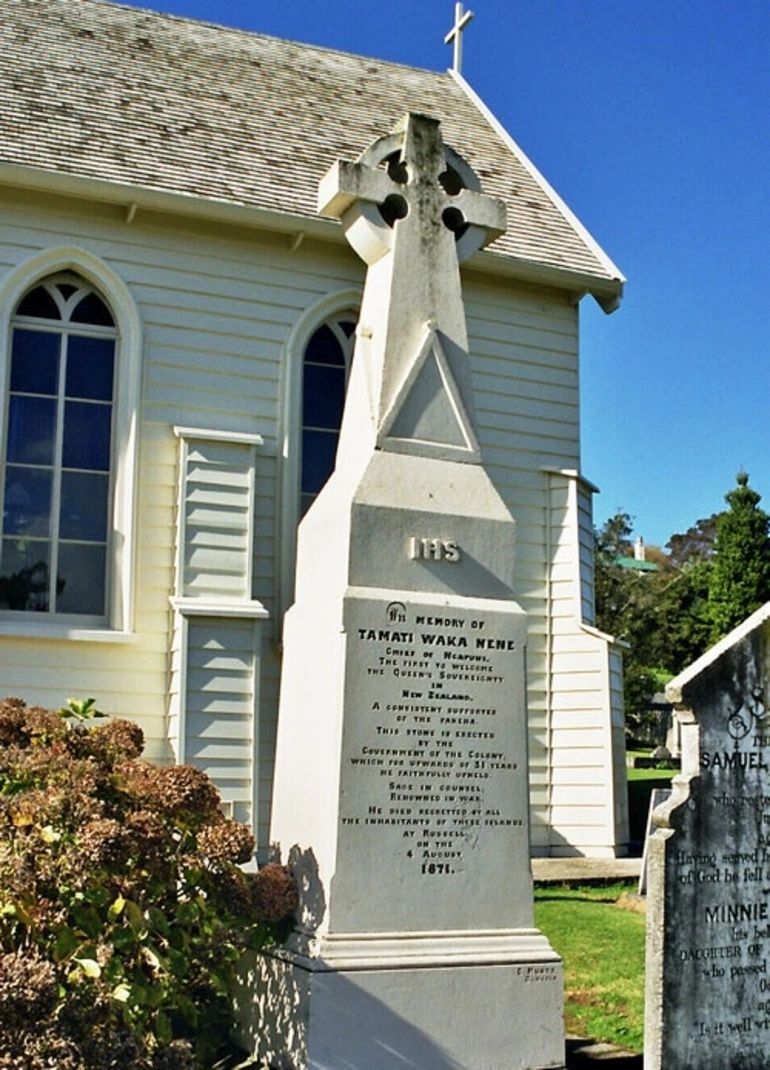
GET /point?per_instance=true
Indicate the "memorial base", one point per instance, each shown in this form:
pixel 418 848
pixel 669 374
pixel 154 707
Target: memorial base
pixel 376 1002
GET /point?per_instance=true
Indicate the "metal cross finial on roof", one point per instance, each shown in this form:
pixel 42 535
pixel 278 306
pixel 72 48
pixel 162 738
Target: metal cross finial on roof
pixel 456 35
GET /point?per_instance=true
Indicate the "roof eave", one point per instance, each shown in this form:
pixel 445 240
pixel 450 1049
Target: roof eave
pixel 607 292
pixel 133 198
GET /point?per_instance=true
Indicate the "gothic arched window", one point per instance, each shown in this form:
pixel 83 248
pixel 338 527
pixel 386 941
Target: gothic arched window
pixel 58 451
pixel 325 368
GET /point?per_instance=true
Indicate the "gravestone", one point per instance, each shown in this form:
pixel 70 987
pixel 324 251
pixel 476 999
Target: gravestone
pixel 401 796
pixel 708 920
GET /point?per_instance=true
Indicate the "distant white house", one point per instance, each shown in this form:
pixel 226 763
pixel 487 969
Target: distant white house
pixel 175 331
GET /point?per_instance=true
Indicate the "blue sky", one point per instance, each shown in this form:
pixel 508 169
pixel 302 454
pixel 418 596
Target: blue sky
pixel 651 118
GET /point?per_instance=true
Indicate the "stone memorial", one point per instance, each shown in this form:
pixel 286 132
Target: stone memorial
pixel 401 796
pixel 708 918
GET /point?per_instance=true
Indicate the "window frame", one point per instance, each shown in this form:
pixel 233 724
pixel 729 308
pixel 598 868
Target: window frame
pixel 117 622
pixel 347 345
pixel 334 306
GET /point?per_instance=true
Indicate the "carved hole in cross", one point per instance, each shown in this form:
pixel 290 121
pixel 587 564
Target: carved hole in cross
pixel 454 220
pixel 392 208
pixel 451 182
pixel 396 168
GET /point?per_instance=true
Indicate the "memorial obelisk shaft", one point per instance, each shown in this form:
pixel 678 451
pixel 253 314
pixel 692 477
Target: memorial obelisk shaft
pixel 401 796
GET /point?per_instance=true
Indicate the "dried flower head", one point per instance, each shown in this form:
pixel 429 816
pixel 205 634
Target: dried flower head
pixel 274 893
pixel 107 1047
pixel 29 1049
pixel 148 833
pixel 11 722
pixel 27 988
pixel 105 842
pixel 178 1055
pixel 175 790
pixel 32 807
pixel 226 841
pixel 116 741
pixel 21 725
pixel 235 892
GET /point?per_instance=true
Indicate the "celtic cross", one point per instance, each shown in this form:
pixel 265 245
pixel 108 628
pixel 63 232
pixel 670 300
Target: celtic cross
pixel 412 209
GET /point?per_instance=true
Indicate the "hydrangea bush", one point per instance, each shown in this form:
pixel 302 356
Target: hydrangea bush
pixel 123 907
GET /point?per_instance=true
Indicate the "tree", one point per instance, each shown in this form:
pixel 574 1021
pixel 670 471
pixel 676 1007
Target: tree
pixel 707 580
pixel 612 591
pixel 696 544
pixel 662 615
pixel 626 607
pixel 739 582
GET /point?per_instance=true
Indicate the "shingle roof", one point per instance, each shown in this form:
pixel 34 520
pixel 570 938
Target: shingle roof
pixel 106 91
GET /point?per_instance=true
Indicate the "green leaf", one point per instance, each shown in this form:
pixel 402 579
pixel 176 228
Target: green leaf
pixel 124 940
pixel 158 921
pixel 87 919
pixel 149 994
pixel 82 709
pixel 66 943
pixel 178 962
pixel 188 1010
pixel 135 917
pixel 90 967
pixel 116 908
pixel 163 1027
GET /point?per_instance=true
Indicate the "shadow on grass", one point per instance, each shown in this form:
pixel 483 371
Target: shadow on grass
pixel 583 1054
pixel 607 892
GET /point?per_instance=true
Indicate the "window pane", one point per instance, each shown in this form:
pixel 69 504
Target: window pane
pixel 80 583
pixel 39 303
pixel 90 367
pixel 92 310
pixel 323 396
pixel 324 348
pixel 87 435
pixel 57 486
pixel 83 513
pixel 319 449
pixel 31 430
pixel 24 574
pixel 35 362
pixel 27 501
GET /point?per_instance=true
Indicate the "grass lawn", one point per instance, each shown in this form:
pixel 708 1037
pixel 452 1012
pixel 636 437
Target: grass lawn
pixel 602 946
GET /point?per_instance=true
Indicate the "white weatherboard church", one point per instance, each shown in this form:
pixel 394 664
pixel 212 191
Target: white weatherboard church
pixel 176 327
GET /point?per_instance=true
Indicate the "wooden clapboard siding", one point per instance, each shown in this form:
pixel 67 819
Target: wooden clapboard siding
pixel 215 316
pixel 215 715
pixel 524 367
pixel 220 705
pixel 586 554
pixel 617 759
pixel 216 515
pixel 584 811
